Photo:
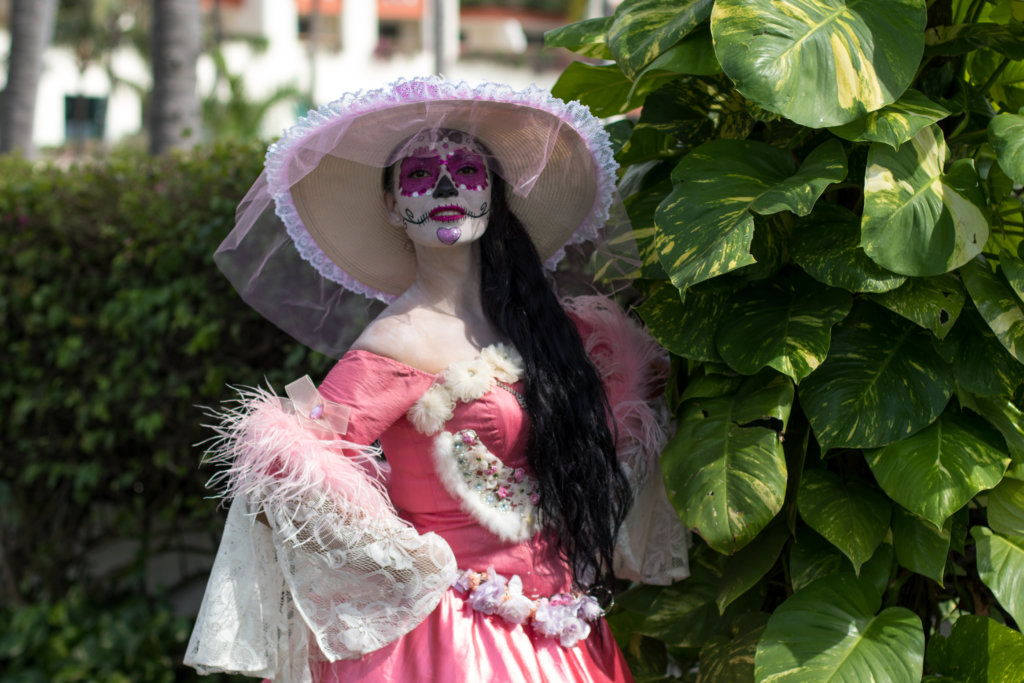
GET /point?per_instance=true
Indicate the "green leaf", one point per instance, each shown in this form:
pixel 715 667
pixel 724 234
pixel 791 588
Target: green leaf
pixel 694 55
pixel 917 220
pixel 643 29
pixel 882 381
pixel 784 323
pixel 997 305
pixel 934 303
pixel 1006 508
pixel 1001 567
pixel 605 89
pixel 748 566
pixel 705 226
pixel 686 329
pixel 829 631
pixel 1006 133
pixel 726 473
pixel 816 62
pixel 811 557
pixel 920 547
pixel 827 245
pixel 1006 417
pixel 1013 270
pixel 978 650
pixel 939 469
pixel 673 117
pixel 585 37
pixel 980 363
pixel 854 517
pixel 950 41
pixel 731 659
pixel 896 123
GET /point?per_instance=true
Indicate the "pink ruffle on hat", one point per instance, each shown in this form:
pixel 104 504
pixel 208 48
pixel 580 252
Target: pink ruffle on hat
pixel 322 184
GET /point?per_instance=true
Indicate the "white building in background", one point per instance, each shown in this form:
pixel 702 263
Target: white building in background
pixel 320 47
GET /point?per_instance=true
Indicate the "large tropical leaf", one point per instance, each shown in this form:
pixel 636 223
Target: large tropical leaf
pixel 997 304
pixel 812 557
pixel 644 29
pixel 587 38
pixel 920 547
pixel 934 303
pixel 686 329
pixel 1005 416
pixel 724 470
pixel 1006 508
pixel 731 659
pixel 827 245
pixel 784 323
pixel 1001 567
pixel 1006 133
pixel 853 516
pixel 705 226
pixel 605 89
pixel 934 472
pixel 978 650
pixel 820 62
pixel 882 381
pixel 748 566
pixel 1013 270
pixel 896 123
pixel 672 118
pixel 831 631
pixel 918 220
pixel 980 363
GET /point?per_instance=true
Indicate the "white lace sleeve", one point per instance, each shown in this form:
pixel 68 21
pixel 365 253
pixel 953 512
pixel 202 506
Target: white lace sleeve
pixel 653 544
pixel 335 575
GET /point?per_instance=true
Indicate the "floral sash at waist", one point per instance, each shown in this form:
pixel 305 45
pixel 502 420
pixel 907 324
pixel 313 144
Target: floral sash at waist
pixel 563 616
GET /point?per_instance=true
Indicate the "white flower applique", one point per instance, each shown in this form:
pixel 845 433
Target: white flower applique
pixel 502 499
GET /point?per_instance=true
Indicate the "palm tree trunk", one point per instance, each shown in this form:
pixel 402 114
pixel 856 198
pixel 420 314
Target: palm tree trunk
pixel 31 27
pixel 174 109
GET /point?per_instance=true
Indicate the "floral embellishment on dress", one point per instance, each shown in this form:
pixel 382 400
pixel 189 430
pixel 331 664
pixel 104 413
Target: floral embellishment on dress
pixel 508 489
pixel 564 617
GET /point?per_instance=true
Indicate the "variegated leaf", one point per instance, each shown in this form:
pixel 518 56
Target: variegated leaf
pixel 1006 133
pixel 980 363
pixel 831 631
pixel 672 118
pixel 997 305
pixel 605 89
pixel 826 164
pixel 1005 79
pixel 811 557
pixel 643 29
pixel 820 62
pixel 826 244
pixel 921 547
pixel 705 226
pixel 963 37
pixel 731 659
pixel 939 469
pixel 917 220
pixel 1006 507
pixel 726 473
pixel 784 323
pixel 748 566
pixel 979 649
pixel 882 381
pixel 585 38
pixel 686 329
pixel 895 123
pixel 1013 271
pixel 851 515
pixel 934 303
pixel 1001 567
pixel 1004 416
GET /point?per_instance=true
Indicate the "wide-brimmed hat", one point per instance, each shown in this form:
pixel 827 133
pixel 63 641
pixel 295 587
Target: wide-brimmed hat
pixel 324 174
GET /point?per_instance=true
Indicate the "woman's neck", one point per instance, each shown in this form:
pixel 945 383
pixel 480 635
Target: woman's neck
pixel 448 280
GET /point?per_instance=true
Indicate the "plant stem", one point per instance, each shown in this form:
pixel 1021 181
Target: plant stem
pixel 995 75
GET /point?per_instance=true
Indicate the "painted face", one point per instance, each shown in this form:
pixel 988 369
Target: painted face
pixel 443 193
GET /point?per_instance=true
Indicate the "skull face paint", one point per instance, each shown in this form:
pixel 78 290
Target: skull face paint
pixel 443 191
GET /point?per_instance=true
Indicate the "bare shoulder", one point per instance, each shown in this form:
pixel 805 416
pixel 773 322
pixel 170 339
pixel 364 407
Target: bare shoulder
pixel 392 334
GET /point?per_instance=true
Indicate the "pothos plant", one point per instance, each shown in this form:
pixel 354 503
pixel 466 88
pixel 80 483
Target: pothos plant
pixel 826 196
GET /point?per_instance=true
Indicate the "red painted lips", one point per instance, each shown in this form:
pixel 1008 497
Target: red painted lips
pixel 448 213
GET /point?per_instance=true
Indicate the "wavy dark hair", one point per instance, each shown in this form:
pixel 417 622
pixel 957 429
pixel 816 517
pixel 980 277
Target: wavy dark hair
pixel 583 494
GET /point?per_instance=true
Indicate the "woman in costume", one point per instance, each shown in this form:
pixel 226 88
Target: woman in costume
pixel 452 501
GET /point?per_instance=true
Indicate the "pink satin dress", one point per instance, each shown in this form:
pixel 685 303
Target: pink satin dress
pixel 456 643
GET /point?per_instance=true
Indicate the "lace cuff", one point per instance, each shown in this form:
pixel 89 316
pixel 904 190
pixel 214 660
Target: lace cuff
pixel 335 575
pixel 653 543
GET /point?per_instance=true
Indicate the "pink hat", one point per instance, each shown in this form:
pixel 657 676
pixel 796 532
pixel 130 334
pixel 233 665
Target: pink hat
pixel 323 178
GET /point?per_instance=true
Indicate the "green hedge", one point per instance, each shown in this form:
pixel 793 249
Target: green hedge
pixel 117 327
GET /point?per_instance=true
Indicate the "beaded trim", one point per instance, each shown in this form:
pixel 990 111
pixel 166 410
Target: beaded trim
pixel 564 616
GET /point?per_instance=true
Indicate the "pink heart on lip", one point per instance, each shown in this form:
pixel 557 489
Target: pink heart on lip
pixel 449 235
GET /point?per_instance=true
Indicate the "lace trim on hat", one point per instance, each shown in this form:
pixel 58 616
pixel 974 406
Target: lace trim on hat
pixel 433 88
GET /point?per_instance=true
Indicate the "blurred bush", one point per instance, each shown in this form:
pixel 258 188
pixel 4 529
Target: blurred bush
pixel 116 328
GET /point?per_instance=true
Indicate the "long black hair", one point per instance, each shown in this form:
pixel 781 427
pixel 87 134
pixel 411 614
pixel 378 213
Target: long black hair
pixel 583 494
